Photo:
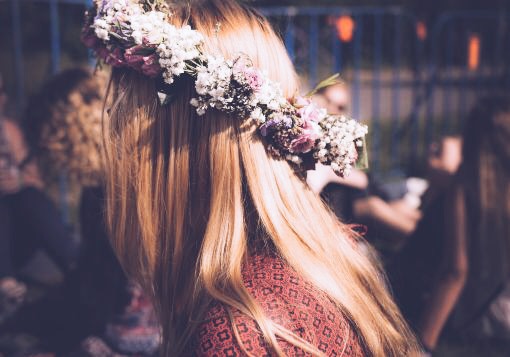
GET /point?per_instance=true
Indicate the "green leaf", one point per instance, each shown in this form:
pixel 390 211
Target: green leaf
pixel 328 82
pixel 362 162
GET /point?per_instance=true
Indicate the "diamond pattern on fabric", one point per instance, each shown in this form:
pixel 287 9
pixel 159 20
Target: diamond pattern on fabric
pixel 286 299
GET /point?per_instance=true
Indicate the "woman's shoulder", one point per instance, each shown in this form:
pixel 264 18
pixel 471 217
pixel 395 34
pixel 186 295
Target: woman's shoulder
pixel 286 299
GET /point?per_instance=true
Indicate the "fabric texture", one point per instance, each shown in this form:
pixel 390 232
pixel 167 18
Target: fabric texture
pixel 19 240
pixel 286 299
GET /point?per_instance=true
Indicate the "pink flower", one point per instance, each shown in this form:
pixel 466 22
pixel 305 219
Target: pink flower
pixel 134 59
pixel 115 58
pixel 306 139
pixel 150 66
pixel 310 112
pixel 147 64
pixel 251 75
pixel 253 78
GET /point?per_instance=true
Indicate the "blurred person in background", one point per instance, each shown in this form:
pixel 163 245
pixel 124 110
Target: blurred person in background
pixel 334 98
pixel 357 198
pixel 28 219
pixel 413 271
pixel 104 309
pixel 461 260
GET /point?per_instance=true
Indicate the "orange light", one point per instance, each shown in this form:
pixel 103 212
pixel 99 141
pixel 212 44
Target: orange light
pixel 421 30
pixel 345 28
pixel 473 52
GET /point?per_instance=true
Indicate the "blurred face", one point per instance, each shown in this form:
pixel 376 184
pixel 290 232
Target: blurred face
pixel 446 156
pixel 337 99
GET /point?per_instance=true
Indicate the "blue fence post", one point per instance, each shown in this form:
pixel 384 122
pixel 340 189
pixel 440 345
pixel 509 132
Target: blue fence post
pixel 376 95
pixel 395 92
pixel 461 104
pixel 499 45
pixel 337 52
pixel 434 78
pixel 92 58
pixel 313 44
pixel 446 127
pixel 18 55
pixel 55 68
pixel 506 60
pixel 419 94
pixel 55 36
pixel 429 119
pixel 289 36
pixel 358 36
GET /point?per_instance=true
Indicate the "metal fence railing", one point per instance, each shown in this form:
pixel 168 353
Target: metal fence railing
pixel 411 81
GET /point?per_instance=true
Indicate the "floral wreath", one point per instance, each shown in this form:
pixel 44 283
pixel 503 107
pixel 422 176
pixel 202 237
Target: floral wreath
pixel 136 34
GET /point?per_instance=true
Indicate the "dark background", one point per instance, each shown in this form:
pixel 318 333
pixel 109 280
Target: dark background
pixel 36 25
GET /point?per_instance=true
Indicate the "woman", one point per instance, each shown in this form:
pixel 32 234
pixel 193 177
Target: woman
pixel 64 122
pixel 23 201
pixel 241 257
pixel 475 271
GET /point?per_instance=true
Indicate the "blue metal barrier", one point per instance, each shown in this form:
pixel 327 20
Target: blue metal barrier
pixel 18 53
pixel 414 88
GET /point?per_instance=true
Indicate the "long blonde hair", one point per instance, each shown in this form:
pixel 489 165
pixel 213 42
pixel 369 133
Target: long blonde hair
pixel 187 196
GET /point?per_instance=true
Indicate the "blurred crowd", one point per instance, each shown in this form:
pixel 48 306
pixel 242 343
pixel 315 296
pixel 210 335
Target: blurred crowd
pixel 443 237
pixel 94 309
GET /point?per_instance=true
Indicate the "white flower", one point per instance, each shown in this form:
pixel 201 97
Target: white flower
pixel 338 142
pixel 138 37
pixel 294 159
pixel 258 115
pixel 273 105
pixel 335 166
pixel 102 29
pixel 102 34
pixel 217 94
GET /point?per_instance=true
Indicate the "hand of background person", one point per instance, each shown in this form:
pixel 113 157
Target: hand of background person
pixel 10 178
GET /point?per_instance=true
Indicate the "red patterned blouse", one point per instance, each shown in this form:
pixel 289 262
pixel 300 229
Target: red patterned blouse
pixel 287 300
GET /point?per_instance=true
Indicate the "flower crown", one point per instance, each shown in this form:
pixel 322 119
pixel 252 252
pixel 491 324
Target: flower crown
pixel 137 34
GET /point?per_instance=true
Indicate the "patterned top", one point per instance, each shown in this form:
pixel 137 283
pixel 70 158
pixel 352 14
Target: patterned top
pixel 287 300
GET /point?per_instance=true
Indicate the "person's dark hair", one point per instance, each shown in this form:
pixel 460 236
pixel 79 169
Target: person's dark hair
pixel 63 126
pixel 40 105
pixel 487 130
pixel 485 171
